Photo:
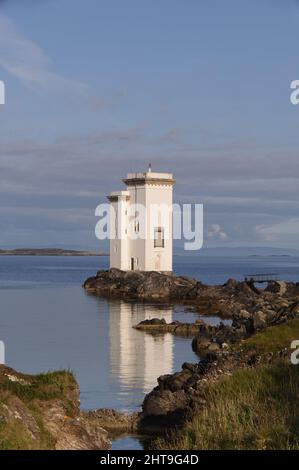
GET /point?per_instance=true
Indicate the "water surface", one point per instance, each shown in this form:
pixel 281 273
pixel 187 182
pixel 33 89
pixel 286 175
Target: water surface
pixel 48 322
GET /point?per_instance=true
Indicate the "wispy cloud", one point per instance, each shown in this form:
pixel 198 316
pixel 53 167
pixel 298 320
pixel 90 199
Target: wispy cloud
pixel 28 62
pixel 287 230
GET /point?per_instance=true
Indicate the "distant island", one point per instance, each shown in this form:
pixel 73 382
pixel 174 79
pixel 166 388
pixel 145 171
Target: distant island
pixel 48 252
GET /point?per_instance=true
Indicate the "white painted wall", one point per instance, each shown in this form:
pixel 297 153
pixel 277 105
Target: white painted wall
pixel 119 243
pixel 159 259
pixel 147 189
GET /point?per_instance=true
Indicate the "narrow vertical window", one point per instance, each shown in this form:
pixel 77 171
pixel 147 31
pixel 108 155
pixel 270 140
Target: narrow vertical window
pixel 159 237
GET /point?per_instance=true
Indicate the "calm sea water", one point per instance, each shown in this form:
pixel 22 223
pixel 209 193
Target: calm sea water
pixel 48 321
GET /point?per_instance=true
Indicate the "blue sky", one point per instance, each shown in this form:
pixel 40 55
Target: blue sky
pixel 95 89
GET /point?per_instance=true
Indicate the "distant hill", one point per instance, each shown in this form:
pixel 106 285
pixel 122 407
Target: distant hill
pixel 241 251
pixel 48 252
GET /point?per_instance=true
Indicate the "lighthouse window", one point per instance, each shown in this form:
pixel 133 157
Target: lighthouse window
pixel 159 237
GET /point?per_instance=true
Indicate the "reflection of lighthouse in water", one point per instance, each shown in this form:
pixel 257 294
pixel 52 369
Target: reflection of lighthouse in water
pixel 138 358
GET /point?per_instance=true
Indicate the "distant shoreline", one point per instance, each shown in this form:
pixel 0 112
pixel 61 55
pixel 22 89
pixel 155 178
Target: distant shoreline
pixel 48 252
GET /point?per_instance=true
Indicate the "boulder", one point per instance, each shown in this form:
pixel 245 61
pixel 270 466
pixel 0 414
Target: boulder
pixel 161 403
pixel 213 347
pixel 277 287
pixel 189 366
pixel 175 381
pixel 200 342
pixel 259 320
pixel 244 314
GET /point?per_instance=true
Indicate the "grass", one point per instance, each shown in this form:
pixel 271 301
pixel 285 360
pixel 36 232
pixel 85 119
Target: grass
pixel 273 338
pixel 34 392
pixel 46 386
pixel 15 436
pixel 253 409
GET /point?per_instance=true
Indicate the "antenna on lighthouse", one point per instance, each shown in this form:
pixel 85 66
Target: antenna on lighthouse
pixel 149 167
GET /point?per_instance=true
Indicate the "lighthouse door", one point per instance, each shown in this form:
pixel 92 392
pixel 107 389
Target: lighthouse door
pixel 132 264
pixel 158 263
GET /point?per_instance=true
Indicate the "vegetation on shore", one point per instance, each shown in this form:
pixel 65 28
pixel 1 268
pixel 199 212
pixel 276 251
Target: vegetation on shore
pixel 274 338
pixel 23 400
pixel 256 408
pixel 39 412
pixel 47 386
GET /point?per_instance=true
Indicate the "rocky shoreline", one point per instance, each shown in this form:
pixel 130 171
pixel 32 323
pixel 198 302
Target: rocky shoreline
pixel 224 300
pixel 178 397
pixel 244 324
pixel 43 411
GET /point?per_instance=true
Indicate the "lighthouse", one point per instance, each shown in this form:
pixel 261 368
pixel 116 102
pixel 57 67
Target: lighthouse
pixel 141 221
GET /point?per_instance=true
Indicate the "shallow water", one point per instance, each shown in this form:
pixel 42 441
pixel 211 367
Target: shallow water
pixel 48 321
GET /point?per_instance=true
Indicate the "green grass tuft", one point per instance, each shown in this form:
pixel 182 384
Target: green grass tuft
pixel 34 393
pixel 273 338
pixel 252 409
pixel 46 386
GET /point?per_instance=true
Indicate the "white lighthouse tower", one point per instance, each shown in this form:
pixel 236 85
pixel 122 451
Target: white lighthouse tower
pixel 141 223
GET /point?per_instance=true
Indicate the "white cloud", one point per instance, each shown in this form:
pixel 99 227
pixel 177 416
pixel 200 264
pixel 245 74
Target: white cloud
pixel 216 231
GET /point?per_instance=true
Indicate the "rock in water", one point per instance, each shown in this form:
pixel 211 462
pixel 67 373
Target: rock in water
pixel 141 285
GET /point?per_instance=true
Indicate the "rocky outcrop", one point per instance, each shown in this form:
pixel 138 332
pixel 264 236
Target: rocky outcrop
pixel 113 421
pixel 155 286
pixel 177 395
pixel 43 412
pixel 224 300
pixel 157 325
pixel 140 285
pixel 244 324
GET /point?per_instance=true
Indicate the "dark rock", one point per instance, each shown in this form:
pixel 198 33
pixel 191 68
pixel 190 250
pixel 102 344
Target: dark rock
pixel 178 380
pixel 189 366
pixel 277 287
pixel 153 321
pixel 200 342
pixel 161 403
pixel 155 325
pixel 237 300
pixel 150 285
